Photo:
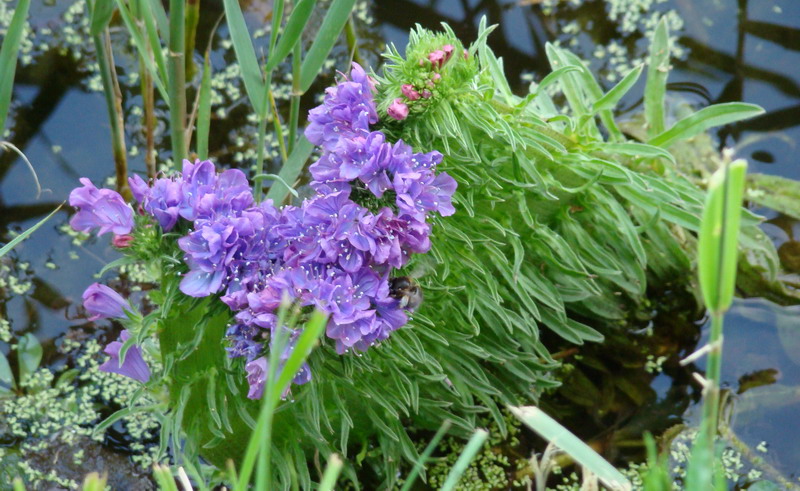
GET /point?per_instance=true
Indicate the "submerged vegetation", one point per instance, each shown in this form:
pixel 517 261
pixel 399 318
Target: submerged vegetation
pixel 278 342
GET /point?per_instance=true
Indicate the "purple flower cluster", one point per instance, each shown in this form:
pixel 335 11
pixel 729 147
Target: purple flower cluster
pixel 103 209
pixel 334 252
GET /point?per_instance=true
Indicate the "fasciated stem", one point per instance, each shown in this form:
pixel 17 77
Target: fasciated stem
pixel 177 80
pixel 113 95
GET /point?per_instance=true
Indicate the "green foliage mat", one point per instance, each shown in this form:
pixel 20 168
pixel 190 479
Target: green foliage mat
pixel 560 226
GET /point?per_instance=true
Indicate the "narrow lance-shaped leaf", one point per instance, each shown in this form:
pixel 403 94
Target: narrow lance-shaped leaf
pixel 613 96
pixel 204 112
pixel 719 232
pixel 24 235
pixel 656 88
pixel 549 429
pixel 290 170
pixel 328 33
pixel 291 33
pixel 708 117
pixel 245 54
pixel 467 455
pixel 331 473
pixel 8 57
pixel 158 72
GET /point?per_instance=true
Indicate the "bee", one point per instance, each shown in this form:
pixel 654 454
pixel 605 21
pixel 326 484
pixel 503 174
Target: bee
pixel 406 290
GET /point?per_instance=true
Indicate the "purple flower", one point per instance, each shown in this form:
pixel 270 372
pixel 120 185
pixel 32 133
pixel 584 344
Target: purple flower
pixel 163 201
pixel 103 302
pixel 134 365
pixel 100 208
pixel 398 110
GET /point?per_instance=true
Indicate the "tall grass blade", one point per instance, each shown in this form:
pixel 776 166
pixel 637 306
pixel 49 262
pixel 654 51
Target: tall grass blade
pixel 290 170
pixel 18 484
pixel 467 455
pixel 24 235
pixel 552 431
pixel 158 72
pixel 93 482
pixel 204 111
pixel 719 232
pixel 152 32
pixel 331 474
pixel 8 57
pixel 291 33
pixel 157 9
pixel 102 10
pixel 164 478
pixel 246 55
pixel 426 454
pixel 328 33
pixel 708 117
pixel 656 88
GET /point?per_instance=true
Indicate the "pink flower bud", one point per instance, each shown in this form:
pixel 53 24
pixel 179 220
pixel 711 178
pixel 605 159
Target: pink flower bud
pixel 466 54
pixel 426 94
pixel 122 241
pixel 448 51
pixel 437 58
pixel 372 83
pixel 398 110
pixel 408 91
pixel 436 77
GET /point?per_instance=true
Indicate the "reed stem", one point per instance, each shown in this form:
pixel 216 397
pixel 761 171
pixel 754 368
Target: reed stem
pixel 294 110
pixel 177 80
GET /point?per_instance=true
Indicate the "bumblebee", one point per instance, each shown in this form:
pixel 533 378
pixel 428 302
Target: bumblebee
pixel 406 291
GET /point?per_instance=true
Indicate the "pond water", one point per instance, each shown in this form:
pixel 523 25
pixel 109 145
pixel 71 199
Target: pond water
pixel 732 50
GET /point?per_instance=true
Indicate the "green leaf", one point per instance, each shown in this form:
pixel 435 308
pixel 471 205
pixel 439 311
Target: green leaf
pixel 204 111
pixel 656 87
pixel 331 474
pixel 276 178
pixel 708 117
pixel 6 377
pixel 467 455
pixel 635 150
pixel 29 355
pixel 613 96
pixel 328 33
pixel 719 232
pixel 426 454
pixel 24 235
pixel 8 57
pixel 290 170
pixel 246 55
pixel 291 33
pixel 102 10
pixel 549 429
pixel 93 482
pixel 779 193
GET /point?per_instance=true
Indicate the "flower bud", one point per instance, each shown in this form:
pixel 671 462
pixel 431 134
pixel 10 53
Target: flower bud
pixel 122 241
pixel 448 51
pixel 398 110
pixel 409 92
pixel 103 302
pixel 437 58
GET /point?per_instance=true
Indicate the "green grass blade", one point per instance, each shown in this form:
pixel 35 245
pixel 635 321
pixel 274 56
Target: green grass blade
pixel 612 97
pixel 708 117
pixel 328 33
pixel 719 233
pixel 291 33
pixel 8 58
pixel 467 455
pixel 102 10
pixel 331 473
pixel 635 150
pixel 157 8
pixel 204 112
pixel 164 478
pixel 305 343
pixel 93 482
pixel 154 41
pixel 552 431
pixel 656 88
pixel 290 170
pixel 24 235
pixel 158 73
pixel 246 55
pixel 18 484
pixel 426 454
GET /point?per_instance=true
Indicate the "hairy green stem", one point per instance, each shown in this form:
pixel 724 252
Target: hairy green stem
pixel 177 80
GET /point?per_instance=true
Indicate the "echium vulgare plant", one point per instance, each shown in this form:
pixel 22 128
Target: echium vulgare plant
pixel 556 228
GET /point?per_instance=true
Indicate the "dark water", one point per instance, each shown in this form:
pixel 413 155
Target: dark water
pixel 736 50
